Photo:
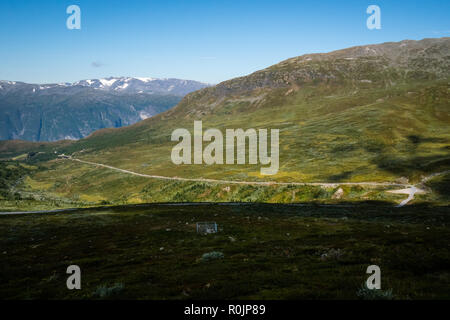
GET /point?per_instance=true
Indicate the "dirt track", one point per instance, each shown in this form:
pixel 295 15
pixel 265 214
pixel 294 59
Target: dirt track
pixel 409 189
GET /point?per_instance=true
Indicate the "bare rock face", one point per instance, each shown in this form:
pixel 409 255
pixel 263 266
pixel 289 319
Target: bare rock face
pixel 421 59
pixel 403 180
pixel 338 194
pixel 70 111
pixel 377 66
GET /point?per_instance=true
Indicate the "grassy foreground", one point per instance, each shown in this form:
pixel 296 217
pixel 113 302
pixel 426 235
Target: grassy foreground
pixel 267 251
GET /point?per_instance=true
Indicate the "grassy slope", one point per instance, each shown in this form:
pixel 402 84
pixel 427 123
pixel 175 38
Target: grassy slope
pixel 374 135
pixel 363 119
pixel 270 252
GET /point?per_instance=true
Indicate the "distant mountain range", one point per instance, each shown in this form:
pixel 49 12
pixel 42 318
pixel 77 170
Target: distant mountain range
pixel 140 85
pixel 49 112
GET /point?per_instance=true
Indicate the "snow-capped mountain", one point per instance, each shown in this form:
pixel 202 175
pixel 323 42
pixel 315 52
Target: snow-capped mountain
pixel 48 112
pixel 117 84
pixel 147 85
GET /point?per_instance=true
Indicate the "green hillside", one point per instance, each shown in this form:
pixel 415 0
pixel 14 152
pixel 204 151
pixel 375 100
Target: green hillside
pixel 377 113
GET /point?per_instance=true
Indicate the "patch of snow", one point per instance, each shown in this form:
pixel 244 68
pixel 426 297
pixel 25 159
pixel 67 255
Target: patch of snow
pixel 107 83
pixel 121 87
pixel 70 138
pixel 144 115
pixel 146 79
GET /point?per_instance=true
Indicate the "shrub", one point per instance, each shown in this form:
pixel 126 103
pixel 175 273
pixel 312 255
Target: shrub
pixel 332 254
pixel 374 294
pixel 211 256
pixel 104 291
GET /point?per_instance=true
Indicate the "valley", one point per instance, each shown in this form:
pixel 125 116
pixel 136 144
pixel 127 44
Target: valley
pixel 336 131
pixel 306 167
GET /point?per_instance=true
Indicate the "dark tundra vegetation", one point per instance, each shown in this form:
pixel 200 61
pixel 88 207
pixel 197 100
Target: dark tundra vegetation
pixel 261 251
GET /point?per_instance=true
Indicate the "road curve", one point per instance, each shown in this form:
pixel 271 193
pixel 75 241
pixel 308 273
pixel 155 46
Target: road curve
pixel 264 183
pixel 411 190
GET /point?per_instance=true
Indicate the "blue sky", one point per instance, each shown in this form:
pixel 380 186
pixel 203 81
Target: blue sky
pixel 209 41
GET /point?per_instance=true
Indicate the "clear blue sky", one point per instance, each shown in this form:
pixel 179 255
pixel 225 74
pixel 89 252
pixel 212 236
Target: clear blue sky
pixel 209 41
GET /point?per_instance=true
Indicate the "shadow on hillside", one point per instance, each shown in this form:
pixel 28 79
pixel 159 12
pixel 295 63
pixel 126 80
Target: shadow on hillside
pixel 416 139
pixel 411 163
pixel 340 177
pixel 365 210
pixel 441 186
pixel 404 163
pixel 422 164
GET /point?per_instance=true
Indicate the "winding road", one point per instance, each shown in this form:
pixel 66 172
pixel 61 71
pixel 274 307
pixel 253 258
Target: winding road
pixel 409 189
pixel 263 183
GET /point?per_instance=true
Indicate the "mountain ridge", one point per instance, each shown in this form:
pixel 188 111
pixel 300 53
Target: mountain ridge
pixel 237 85
pixel 387 50
pixel 118 84
pixel 50 112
